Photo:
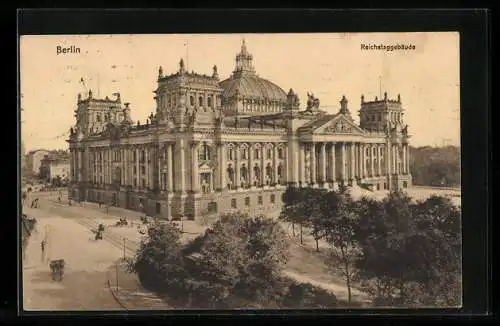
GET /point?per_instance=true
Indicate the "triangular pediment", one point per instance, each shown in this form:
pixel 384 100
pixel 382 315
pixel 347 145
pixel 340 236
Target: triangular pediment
pixel 340 124
pixel 204 166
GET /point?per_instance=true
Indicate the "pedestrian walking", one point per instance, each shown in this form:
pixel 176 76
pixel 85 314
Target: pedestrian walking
pixel 43 249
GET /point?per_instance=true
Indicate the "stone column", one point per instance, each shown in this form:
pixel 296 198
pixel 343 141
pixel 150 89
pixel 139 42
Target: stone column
pixel 170 157
pixel 332 163
pixel 343 168
pixel 275 163
pixel 301 164
pixel 353 163
pixel 137 167
pixel 372 161
pixel 180 173
pixel 323 163
pixel 146 163
pixel 395 159
pixel 110 166
pixel 222 166
pixel 263 152
pixel 286 176
pixel 250 164
pixel 379 147
pixel 158 165
pixel 407 159
pixel 365 170
pixel 195 176
pixel 237 166
pixel 313 162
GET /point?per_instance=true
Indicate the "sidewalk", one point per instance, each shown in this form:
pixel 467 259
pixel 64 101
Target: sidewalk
pixel 129 293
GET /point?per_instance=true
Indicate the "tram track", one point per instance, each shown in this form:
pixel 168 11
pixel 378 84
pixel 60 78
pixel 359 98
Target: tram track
pixel 117 241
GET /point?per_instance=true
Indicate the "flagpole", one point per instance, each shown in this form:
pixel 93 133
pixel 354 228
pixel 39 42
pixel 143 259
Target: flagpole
pixel 380 86
pixel 187 55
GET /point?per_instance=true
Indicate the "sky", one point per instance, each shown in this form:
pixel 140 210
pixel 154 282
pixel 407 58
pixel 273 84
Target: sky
pixel 328 65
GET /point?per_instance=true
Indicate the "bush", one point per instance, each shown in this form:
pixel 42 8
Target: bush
pixel 305 295
pixel 158 262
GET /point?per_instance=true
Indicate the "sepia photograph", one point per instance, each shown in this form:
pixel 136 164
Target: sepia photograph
pixel 240 171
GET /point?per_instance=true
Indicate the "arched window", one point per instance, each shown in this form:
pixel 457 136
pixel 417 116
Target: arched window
pixel 209 101
pixel 280 153
pixel 200 101
pixel 269 153
pixel 244 154
pixel 191 100
pixel 98 117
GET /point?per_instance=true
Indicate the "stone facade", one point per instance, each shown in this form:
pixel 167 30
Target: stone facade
pixel 196 156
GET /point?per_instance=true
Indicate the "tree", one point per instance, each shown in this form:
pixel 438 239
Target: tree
pixel 222 256
pixel 158 261
pixel 266 247
pixel 339 226
pixel 410 253
pixel 292 210
pixel 312 213
pixel 243 255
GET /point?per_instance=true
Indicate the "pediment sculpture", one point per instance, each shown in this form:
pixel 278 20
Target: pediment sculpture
pixel 340 127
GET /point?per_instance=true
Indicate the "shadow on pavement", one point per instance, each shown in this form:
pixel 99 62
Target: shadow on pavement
pixel 78 290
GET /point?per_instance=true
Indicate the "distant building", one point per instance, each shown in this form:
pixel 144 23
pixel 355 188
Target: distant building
pixel 23 156
pixel 55 166
pixel 34 159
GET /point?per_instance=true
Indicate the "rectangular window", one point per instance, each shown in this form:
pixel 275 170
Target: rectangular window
pixel 233 203
pixel 257 152
pixel 273 199
pixel 135 183
pixel 269 154
pixel 135 169
pixel 247 201
pixel 143 169
pixel 158 208
pixel 212 207
pixel 144 183
pixel 230 154
pixel 259 200
pixel 244 154
pixel 280 153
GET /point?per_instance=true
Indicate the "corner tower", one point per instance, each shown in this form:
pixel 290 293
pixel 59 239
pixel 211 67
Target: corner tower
pixel 183 95
pixel 93 114
pixel 381 115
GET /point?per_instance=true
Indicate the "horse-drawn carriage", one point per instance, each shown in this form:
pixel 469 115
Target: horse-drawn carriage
pixel 98 232
pixel 122 222
pixel 57 269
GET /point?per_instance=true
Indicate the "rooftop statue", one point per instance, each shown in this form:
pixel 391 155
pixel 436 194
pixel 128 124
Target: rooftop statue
pixel 312 102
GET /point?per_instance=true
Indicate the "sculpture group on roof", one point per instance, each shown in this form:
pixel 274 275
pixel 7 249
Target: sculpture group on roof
pixel 312 102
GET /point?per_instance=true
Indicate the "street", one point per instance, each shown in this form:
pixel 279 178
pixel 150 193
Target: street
pixel 84 286
pixel 71 235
